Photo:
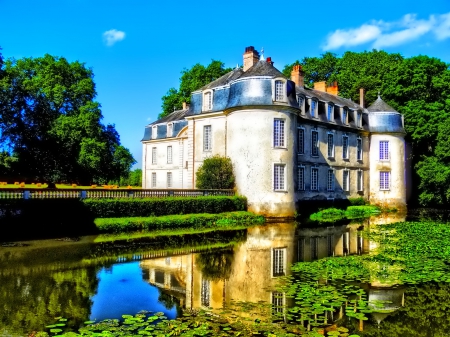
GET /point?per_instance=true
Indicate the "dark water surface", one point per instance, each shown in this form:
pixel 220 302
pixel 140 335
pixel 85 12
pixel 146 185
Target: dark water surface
pixel 94 278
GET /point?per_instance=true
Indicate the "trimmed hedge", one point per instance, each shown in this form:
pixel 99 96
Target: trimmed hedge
pixel 194 221
pixel 112 208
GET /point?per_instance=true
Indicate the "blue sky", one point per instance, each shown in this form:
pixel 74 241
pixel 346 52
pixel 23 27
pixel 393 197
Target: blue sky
pixel 137 48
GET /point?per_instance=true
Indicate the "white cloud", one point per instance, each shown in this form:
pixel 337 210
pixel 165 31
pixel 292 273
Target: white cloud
pixel 112 36
pixel 387 34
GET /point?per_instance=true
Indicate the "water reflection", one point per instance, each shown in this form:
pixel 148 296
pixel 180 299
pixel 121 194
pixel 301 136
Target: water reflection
pixel 86 280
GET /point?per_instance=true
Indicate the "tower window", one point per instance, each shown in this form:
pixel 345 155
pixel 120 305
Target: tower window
pixel 278 133
pixel 279 91
pixel 385 178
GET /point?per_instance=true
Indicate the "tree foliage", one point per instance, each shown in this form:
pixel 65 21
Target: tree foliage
pixel 215 173
pixel 51 124
pixel 191 79
pixel 418 87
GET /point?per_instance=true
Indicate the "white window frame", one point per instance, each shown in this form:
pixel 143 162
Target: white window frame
pixel 359 119
pixel 330 147
pixel 154 131
pixel 169 130
pixel 346 180
pixel 207 138
pixel 169 154
pixel 169 179
pixel 301 178
pixel 301 140
pixel 279 95
pixel 314 178
pixel 330 180
pixel 330 112
pixel 279 177
pixel 359 149
pixel 345 147
pixel 154 155
pixel 300 101
pixel 279 133
pixel 278 261
pixel 360 180
pixel 153 179
pixel 384 154
pixel 207 100
pixel 313 107
pixel 278 300
pixel 314 143
pixel 385 180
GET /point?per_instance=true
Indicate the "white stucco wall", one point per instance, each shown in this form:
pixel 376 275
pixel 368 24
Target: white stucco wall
pixel 250 147
pixel 396 195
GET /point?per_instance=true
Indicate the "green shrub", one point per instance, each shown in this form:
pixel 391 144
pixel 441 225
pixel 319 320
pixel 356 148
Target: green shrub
pixel 357 201
pixel 353 212
pixel 215 173
pixel 328 215
pixel 194 221
pixel 111 208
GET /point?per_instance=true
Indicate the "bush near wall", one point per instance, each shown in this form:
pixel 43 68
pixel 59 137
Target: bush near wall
pixel 114 208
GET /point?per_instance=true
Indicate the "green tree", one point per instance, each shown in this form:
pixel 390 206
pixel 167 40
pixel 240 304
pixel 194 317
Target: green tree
pixel 215 173
pixel 50 122
pixel 191 79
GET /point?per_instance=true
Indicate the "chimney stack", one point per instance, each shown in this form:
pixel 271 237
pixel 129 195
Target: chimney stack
pixel 320 86
pixel 362 97
pixel 269 60
pixel 298 76
pixel 333 89
pixel 184 105
pixel 251 57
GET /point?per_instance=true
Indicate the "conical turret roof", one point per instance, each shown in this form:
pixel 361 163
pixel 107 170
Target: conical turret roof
pixel 380 106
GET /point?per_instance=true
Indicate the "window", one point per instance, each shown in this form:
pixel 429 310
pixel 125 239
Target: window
pixel 330 112
pixel 346 180
pixel 345 147
pixel 277 302
pixel 359 153
pixel 360 182
pixel 314 179
pixel 315 143
pixel 330 145
pixel 385 180
pixel 278 133
pixel 344 115
pixel 278 262
pixel 169 179
pixel 207 101
pixel 207 143
pixel 205 293
pixel 359 119
pixel 313 108
pixel 169 130
pixel 300 100
pixel 384 150
pixel 301 178
pixel 154 155
pixel 330 180
pixel 301 141
pixel 154 131
pixel 278 177
pixel 169 155
pixel 153 179
pixel 279 91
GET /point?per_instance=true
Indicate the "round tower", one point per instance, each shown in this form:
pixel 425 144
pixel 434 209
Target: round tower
pixel 387 156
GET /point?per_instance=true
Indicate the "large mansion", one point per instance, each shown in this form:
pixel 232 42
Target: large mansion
pixel 287 143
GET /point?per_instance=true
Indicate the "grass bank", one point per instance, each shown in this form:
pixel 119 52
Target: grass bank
pixel 201 221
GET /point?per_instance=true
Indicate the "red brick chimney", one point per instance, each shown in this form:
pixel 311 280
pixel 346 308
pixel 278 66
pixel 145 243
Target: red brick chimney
pixel 333 89
pixel 298 75
pixel 251 57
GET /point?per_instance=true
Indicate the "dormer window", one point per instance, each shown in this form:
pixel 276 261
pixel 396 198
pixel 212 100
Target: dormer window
pixel 279 90
pixel 313 108
pixel 330 112
pixel 169 129
pixel 154 131
pixel 344 115
pixel 207 101
pixel 300 100
pixel 358 119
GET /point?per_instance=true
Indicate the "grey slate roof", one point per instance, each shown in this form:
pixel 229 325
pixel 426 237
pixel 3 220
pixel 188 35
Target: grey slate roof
pixel 225 79
pixel 326 97
pixel 262 68
pixel 380 105
pixel 174 116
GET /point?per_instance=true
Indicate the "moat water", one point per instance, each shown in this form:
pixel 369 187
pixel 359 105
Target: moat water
pixel 98 277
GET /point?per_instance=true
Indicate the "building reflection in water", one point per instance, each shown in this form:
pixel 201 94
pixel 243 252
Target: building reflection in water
pixel 250 275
